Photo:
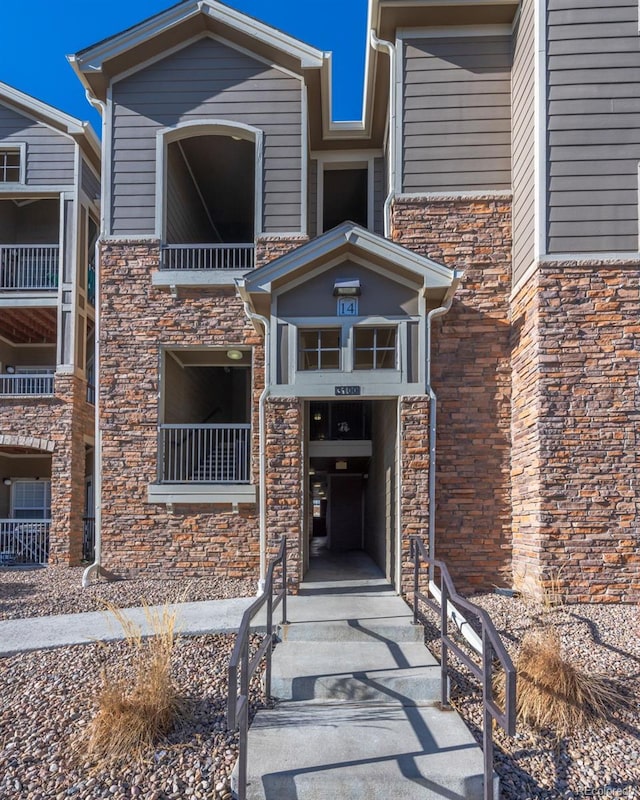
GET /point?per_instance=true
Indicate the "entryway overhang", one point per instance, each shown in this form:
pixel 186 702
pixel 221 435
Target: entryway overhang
pixel 435 281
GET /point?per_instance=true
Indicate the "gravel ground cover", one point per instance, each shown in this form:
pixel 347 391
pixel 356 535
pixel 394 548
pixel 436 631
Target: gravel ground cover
pixel 37 592
pixel 602 761
pixel 48 700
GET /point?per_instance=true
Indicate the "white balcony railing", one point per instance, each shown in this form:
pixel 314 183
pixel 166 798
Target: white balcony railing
pixel 27 267
pixel 24 541
pixel 26 385
pixel 207 256
pixel 204 453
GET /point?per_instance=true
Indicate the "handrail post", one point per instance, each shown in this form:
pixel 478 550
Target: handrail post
pixel 284 582
pixel 416 569
pixel 444 653
pixel 267 672
pixel 487 718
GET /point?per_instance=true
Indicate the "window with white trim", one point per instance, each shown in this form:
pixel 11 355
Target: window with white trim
pixel 31 499
pixel 10 164
pixel 319 348
pixel 374 348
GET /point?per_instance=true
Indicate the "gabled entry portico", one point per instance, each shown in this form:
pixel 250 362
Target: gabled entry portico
pixel 345 319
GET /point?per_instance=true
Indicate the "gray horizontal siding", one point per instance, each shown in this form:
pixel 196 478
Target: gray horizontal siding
pixel 50 155
pixel 457 109
pixel 205 80
pixel 89 182
pixel 593 76
pixel 523 133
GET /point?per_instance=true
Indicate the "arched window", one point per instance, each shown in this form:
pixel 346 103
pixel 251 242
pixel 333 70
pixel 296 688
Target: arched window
pixel 209 204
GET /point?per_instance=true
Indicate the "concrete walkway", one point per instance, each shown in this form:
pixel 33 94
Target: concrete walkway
pixel 358 716
pixel 41 633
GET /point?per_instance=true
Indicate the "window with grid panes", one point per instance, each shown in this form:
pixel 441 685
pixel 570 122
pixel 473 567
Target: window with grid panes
pixel 319 348
pixel 374 348
pixel 9 165
pixel 31 499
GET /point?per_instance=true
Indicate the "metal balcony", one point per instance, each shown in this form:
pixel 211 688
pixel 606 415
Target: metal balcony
pixel 204 453
pixel 24 541
pixel 29 267
pixel 207 256
pixel 26 385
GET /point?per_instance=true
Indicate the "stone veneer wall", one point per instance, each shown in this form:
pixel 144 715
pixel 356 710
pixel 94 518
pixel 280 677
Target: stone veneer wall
pixel 57 426
pixel 285 481
pixel 578 356
pixel 139 319
pixel 414 499
pixel 471 377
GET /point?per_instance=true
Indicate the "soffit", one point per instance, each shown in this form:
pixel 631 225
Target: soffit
pixel 28 326
pixel 390 15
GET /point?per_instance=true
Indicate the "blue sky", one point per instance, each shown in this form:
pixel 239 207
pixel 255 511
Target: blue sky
pixel 32 57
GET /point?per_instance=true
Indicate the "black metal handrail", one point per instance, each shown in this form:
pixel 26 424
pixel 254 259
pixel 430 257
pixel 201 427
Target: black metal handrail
pixel 492 649
pixel 238 704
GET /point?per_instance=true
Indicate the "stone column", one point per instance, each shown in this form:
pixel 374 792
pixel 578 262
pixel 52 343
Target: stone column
pixel 285 481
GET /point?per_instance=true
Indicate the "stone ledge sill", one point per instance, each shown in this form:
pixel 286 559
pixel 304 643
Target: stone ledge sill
pixel 192 279
pixel 206 493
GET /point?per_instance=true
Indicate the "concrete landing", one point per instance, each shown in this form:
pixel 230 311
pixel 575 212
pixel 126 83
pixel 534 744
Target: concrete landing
pixel 358 715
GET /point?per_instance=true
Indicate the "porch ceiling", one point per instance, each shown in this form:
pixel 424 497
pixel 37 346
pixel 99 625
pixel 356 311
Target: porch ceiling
pixel 28 325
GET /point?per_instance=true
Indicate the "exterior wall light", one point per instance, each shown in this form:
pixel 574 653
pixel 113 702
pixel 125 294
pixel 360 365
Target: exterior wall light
pixel 7 481
pixel 234 355
pixel 9 370
pixel 346 289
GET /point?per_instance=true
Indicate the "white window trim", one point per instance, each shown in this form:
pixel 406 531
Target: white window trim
pixel 346 160
pixel 341 349
pixel 20 147
pixel 374 350
pixel 206 127
pixel 46 509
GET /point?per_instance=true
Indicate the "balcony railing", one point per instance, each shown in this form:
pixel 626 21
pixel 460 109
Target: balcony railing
pixel 24 541
pixel 88 538
pixel 25 385
pixel 207 256
pixel 204 453
pixel 28 267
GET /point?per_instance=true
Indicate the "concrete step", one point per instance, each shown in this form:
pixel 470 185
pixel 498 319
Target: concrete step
pixel 316 751
pixel 360 671
pixel 382 629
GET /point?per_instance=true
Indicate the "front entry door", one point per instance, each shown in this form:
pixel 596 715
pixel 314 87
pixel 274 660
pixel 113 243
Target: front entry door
pixel 345 512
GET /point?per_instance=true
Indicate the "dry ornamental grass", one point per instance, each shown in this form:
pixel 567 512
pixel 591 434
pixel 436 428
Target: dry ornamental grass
pixel 138 703
pixel 553 693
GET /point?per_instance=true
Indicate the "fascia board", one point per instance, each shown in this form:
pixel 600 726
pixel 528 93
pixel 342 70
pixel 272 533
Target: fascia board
pixel 91 59
pixel 433 273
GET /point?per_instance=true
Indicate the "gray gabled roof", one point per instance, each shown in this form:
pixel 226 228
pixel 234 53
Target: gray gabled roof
pixel 349 238
pixel 95 60
pixel 53 117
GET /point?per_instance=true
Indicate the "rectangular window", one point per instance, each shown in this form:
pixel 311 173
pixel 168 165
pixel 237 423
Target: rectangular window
pixel 319 349
pixel 374 348
pixel 31 499
pixel 10 164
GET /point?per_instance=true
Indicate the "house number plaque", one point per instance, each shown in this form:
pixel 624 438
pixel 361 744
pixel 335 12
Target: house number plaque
pixel 349 391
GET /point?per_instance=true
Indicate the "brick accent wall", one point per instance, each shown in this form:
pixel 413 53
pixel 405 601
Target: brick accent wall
pixel 414 499
pixel 471 377
pixel 58 425
pixel 139 319
pixel 285 481
pixel 269 248
pixel 582 368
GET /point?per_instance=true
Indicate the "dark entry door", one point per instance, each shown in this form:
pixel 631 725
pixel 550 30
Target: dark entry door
pixel 345 517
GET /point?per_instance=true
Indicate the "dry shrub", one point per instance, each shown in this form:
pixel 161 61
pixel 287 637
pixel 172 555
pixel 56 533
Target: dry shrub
pixel 554 693
pixel 138 703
